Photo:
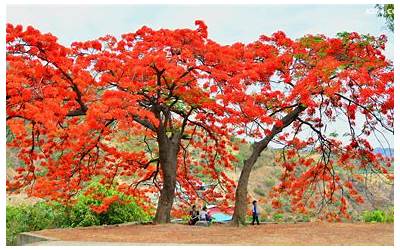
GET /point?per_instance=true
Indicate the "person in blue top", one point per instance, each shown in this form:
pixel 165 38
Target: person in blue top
pixel 255 213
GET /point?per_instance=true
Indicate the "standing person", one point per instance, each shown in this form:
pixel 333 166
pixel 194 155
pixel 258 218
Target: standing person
pixel 255 213
pixel 194 215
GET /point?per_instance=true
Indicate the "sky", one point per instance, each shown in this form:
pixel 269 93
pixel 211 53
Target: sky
pixel 226 23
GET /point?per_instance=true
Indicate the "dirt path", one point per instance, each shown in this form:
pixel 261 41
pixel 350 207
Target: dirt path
pixel 267 234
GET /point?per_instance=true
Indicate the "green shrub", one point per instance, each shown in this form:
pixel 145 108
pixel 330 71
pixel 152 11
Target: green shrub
pixel 123 210
pixel 44 215
pixel 29 218
pixel 378 216
pixel 278 217
pixel 302 218
pixel 14 224
pixel 265 219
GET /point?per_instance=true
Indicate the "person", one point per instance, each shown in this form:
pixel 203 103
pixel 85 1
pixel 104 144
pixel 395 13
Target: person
pixel 204 216
pixel 255 213
pixel 194 215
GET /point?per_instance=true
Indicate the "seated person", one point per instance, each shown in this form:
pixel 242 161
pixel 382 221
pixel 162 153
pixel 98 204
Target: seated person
pixel 204 216
pixel 194 215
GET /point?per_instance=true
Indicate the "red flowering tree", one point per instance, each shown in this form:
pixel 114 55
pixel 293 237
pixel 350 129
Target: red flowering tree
pixel 70 109
pixel 177 97
pixel 294 93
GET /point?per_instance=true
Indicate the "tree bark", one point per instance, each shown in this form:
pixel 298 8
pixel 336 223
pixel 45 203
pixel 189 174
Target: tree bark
pixel 168 154
pixel 239 214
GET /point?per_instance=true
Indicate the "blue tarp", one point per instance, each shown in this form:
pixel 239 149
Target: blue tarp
pixel 221 217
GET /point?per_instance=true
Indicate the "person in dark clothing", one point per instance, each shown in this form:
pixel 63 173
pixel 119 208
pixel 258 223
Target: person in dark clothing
pixel 255 213
pixel 194 215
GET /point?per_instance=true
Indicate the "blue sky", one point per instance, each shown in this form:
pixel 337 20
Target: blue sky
pixel 226 23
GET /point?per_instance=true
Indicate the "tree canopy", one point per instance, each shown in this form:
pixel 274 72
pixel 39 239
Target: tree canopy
pixel 180 99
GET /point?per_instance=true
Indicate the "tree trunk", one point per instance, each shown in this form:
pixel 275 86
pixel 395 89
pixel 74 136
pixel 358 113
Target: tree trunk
pixel 239 214
pixel 168 153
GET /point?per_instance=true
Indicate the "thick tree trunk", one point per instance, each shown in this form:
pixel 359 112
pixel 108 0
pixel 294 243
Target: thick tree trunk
pixel 168 153
pixel 239 214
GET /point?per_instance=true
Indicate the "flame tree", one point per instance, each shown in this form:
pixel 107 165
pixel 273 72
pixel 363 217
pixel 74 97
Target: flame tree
pixel 179 98
pixel 300 94
pixel 68 108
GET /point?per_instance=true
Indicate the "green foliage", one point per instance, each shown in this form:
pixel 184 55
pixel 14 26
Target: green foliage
pixel 302 218
pixel 268 208
pixel 278 217
pixel 334 134
pixel 244 152
pixel 285 201
pixel 124 210
pixel 270 182
pixel 309 41
pixel 378 216
pixel 259 191
pixel 277 172
pixel 44 215
pixel 343 35
pixel 9 134
pixel 386 11
pixel 32 218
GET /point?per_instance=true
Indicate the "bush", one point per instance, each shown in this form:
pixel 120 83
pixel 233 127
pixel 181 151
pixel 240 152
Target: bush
pixel 302 218
pixel 123 210
pixel 43 215
pixel 278 217
pixel 30 218
pixel 379 216
pixel 14 224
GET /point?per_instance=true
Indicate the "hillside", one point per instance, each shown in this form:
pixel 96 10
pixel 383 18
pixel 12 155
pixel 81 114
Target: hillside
pixel 377 192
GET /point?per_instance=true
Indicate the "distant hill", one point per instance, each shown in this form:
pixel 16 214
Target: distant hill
pixel 388 152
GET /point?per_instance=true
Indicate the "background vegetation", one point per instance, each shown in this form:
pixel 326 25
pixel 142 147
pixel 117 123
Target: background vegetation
pixel 44 215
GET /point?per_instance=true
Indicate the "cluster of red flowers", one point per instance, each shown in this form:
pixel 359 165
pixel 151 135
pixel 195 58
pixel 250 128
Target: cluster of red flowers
pixel 104 107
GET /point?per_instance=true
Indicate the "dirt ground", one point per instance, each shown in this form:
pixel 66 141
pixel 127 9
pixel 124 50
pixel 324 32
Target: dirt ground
pixel 265 234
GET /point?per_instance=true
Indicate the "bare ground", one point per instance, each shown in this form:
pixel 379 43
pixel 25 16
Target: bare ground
pixel 317 233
